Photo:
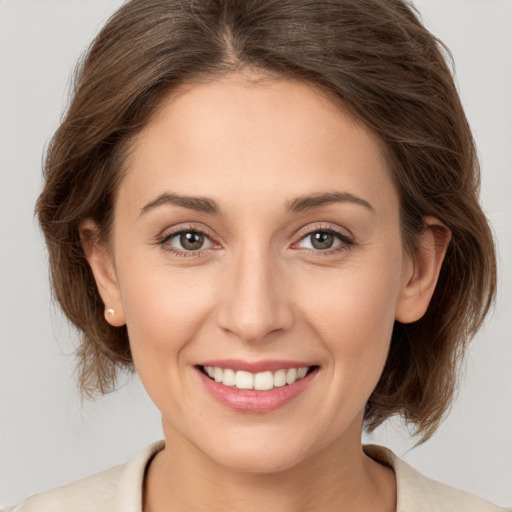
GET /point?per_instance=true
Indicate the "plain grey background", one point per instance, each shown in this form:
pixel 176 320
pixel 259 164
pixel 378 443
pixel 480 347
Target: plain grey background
pixel 46 436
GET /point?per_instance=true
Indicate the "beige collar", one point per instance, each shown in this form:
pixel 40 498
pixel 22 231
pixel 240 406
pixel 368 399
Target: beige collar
pixel 415 492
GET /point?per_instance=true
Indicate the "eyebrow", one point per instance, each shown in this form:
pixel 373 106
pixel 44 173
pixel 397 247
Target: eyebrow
pixel 200 204
pixel 310 202
pixel 300 204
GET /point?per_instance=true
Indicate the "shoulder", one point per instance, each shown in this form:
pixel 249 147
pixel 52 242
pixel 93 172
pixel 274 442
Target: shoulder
pixel 77 496
pixel 418 493
pixel 118 489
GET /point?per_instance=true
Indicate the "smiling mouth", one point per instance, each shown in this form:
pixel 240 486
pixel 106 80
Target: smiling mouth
pixel 261 381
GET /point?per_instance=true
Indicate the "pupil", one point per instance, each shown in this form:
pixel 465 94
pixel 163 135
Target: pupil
pixel 322 240
pixel 191 241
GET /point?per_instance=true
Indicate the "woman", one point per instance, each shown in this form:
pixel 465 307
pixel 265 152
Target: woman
pixel 270 210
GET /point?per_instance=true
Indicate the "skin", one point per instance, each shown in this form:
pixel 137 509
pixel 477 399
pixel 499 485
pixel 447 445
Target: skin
pixel 259 290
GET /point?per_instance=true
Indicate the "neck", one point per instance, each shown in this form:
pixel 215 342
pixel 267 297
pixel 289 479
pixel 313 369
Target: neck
pixel 338 478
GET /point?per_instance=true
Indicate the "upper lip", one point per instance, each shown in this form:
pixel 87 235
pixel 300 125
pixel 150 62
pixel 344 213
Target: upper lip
pixel 255 366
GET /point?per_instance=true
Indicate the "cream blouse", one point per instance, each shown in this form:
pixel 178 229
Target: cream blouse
pixel 119 489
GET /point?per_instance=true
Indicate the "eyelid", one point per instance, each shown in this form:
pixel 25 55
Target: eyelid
pixel 344 235
pixel 169 233
pixel 208 241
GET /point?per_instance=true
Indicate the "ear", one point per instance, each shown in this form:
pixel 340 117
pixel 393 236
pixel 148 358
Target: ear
pixel 103 270
pixel 422 272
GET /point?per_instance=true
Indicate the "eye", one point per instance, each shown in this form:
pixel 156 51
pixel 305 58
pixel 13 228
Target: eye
pixel 187 241
pixel 323 240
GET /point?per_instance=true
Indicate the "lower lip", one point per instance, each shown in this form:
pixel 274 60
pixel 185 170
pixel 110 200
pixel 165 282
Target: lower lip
pixel 248 400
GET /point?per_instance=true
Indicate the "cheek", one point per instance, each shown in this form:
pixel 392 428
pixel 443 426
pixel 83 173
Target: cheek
pixel 352 313
pixel 164 308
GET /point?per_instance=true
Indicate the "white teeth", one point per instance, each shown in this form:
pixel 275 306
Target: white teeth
pixel 291 376
pixel 244 380
pixel 280 378
pixel 302 373
pixel 229 377
pixel 218 374
pixel 261 381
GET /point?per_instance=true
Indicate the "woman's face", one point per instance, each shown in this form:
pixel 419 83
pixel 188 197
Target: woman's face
pixel 256 231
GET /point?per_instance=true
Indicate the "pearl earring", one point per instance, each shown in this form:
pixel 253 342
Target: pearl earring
pixel 111 311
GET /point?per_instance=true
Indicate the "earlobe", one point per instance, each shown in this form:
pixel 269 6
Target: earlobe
pixel 103 271
pixel 423 272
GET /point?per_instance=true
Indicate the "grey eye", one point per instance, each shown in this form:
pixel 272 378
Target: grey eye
pixel 320 241
pixel 189 241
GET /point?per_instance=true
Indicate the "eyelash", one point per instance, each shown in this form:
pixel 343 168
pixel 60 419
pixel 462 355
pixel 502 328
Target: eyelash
pixel 162 241
pixel 346 241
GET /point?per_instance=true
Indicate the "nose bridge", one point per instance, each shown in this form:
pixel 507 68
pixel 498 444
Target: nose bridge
pixel 255 304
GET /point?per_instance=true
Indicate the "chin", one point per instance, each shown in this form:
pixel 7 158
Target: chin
pixel 260 452
pixel 258 460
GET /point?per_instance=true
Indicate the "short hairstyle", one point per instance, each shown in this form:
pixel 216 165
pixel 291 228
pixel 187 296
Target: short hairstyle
pixel 383 66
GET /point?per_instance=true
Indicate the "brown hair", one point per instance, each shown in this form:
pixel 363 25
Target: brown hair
pixel 376 57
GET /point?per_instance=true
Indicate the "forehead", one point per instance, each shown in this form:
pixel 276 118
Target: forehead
pixel 235 135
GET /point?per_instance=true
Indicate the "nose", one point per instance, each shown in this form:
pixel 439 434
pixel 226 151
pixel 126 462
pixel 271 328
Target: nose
pixel 255 303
